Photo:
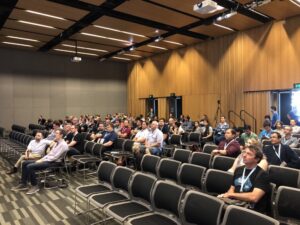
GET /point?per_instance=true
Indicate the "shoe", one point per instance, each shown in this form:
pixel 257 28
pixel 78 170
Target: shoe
pixel 12 171
pixel 20 187
pixel 33 190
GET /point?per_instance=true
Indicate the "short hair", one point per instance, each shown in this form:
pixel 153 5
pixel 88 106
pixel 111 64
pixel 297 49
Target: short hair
pixel 266 124
pixel 232 131
pixel 273 107
pixel 40 132
pixel 163 119
pixel 258 152
pixel 61 131
pixel 247 127
pixel 56 122
pixel 110 125
pixel 277 133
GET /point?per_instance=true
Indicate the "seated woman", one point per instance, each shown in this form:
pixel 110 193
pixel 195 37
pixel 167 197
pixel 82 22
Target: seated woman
pixel 207 132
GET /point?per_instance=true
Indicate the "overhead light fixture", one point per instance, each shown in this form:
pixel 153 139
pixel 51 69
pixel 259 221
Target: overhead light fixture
pixel 21 38
pixel 153 46
pixel 229 15
pixel 137 56
pixel 158 39
pixel 36 24
pixel 157 31
pixel 173 42
pixel 17 44
pixel 224 27
pixel 102 59
pixel 76 58
pixel 86 48
pixel 120 31
pixel 121 52
pixel 121 58
pixel 103 37
pixel 70 51
pixel 44 14
pixel 132 48
pixel 295 2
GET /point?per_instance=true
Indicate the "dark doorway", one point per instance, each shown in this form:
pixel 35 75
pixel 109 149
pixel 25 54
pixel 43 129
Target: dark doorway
pixel 151 103
pixel 284 100
pixel 175 106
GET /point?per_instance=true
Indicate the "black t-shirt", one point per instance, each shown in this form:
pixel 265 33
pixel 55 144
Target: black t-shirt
pixel 164 129
pixel 79 142
pixel 69 137
pixel 258 179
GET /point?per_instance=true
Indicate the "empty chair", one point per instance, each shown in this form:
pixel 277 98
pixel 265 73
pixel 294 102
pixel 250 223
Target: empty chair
pixel 191 176
pixel 235 215
pixel 119 145
pixel 201 209
pixel 140 187
pixel 287 205
pixel 284 176
pixel 217 182
pixel 168 169
pixel 222 163
pixel 193 140
pixel 174 142
pixel 200 159
pixel 88 149
pixel 208 148
pixel 149 163
pixel 165 200
pixel 182 155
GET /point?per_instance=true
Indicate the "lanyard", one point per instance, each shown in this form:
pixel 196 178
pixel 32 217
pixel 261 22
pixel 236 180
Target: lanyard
pixel 279 150
pixel 226 144
pixel 245 179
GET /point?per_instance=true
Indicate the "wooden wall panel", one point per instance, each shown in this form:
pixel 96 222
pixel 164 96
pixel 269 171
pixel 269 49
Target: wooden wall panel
pixel 239 69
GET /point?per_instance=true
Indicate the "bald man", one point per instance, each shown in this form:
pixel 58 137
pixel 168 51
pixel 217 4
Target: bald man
pixel 154 141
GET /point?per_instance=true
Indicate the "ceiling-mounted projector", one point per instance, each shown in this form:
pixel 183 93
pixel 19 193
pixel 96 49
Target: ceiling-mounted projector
pixel 76 59
pixel 205 7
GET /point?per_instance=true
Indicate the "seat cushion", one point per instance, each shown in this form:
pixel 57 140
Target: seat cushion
pixel 152 219
pixel 126 209
pixel 91 189
pixel 110 197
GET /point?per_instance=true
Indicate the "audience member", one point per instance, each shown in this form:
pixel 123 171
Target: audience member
pixel 154 141
pixel 248 134
pixel 275 116
pixel 266 132
pixel 220 130
pixel 288 139
pixel 125 131
pixel 295 127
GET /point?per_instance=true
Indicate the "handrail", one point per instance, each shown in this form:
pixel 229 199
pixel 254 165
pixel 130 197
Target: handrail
pixel 251 116
pixel 235 114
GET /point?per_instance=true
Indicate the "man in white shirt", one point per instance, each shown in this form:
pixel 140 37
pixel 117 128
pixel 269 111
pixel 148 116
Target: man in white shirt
pixel 296 129
pixel 140 137
pixel 53 158
pixel 288 139
pixel 154 141
pixel 35 150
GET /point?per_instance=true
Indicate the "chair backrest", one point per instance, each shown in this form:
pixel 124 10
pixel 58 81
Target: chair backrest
pixel 235 215
pixel 191 176
pixel 128 145
pixel 208 148
pixel 88 147
pixel 105 171
pixel 119 144
pixel 284 176
pixel 222 163
pixel 140 186
pixel 200 208
pixel 121 177
pixel 166 197
pixel 200 159
pixel 149 163
pixel 97 149
pixel 287 204
pixel 18 128
pixel 194 137
pixel 182 155
pixel 297 150
pixel 175 139
pixel 168 169
pixel 217 181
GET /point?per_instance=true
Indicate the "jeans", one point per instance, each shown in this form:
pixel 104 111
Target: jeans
pixel 73 151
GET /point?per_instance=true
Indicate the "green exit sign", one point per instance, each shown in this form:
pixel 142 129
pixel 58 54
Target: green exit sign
pixel 297 85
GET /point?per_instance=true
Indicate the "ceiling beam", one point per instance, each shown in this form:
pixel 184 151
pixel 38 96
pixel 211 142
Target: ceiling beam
pixel 6 7
pixel 94 15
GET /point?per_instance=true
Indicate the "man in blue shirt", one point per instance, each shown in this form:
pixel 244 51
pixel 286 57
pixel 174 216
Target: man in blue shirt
pixel 266 132
pixel 274 116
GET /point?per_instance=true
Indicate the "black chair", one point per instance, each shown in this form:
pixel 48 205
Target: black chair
pixel 88 150
pixel 165 200
pixel 208 148
pixel 222 163
pixel 193 140
pixel 174 142
pixel 287 205
pixel 284 176
pixel 297 150
pixel 235 215
pixel 119 144
pixel 191 176
pixel 217 182
pixel 140 187
pixel 200 159
pixel 149 163
pixel 182 155
pixel 168 169
pixel 200 208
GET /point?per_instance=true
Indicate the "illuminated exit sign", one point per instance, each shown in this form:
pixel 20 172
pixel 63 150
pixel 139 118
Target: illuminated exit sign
pixel 297 85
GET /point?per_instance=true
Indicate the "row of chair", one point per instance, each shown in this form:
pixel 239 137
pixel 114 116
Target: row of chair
pixel 131 197
pixel 32 126
pixel 18 128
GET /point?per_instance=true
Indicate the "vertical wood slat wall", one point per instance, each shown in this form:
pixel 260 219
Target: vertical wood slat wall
pixel 239 69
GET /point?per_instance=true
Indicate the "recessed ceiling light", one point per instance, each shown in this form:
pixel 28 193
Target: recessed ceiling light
pixel 137 56
pixel 109 38
pixel 120 31
pixel 36 24
pixel 21 38
pixel 18 44
pixel 121 58
pixel 173 42
pixel 153 46
pixel 80 47
pixel 70 51
pixel 44 14
pixel 224 27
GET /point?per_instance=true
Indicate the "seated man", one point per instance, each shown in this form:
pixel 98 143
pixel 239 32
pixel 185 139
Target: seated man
pixel 140 137
pixel 280 154
pixel 69 135
pixel 164 129
pixel 229 147
pixel 109 138
pixel 77 143
pixel 53 158
pixel 250 183
pixel 220 130
pixel 125 131
pixel 248 134
pixel 99 134
pixel 55 125
pixel 35 150
pixel 154 141
pixel 295 128
pixel 265 134
pixel 288 139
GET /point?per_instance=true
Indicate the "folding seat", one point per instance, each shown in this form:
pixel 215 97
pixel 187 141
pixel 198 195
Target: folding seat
pixel 235 215
pixel 222 162
pixel 168 169
pixel 217 182
pixel 193 140
pixel 191 176
pixel 208 148
pixel 182 155
pixel 297 150
pixel 88 150
pixel 200 159
pixel 287 205
pixel 149 163
pixel 165 200
pixel 105 171
pixel 284 176
pixel 140 188
pixel 201 209
pixel 174 142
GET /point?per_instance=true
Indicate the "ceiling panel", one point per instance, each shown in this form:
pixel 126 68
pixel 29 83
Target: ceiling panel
pixel 17 33
pixel 91 45
pixel 183 39
pixel 152 12
pixel 240 22
pixel 212 30
pixel 34 44
pixel 94 2
pixel 244 1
